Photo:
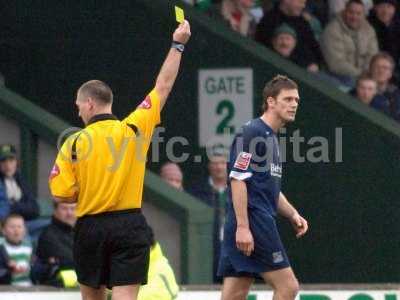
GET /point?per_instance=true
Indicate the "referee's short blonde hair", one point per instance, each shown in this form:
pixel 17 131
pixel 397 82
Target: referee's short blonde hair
pixel 98 90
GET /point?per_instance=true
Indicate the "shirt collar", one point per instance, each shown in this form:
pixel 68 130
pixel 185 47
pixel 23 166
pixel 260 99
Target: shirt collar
pixel 220 190
pixel 101 117
pixel 60 224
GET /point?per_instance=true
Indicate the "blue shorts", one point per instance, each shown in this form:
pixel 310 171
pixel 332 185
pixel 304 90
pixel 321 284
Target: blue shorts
pixel 268 255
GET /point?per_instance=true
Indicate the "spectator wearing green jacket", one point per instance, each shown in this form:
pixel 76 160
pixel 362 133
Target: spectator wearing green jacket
pixel 348 43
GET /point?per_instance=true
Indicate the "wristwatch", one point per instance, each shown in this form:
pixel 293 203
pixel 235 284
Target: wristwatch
pixel 178 46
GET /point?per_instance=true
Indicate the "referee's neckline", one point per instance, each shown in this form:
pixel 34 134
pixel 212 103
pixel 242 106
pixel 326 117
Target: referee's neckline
pixel 101 117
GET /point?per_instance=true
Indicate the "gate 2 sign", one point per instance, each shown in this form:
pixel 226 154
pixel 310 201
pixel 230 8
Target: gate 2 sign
pixel 225 104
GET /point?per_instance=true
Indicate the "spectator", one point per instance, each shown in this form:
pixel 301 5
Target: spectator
pixel 54 253
pixel 290 12
pixel 337 6
pixel 171 173
pixel 284 42
pixel 213 192
pixel 367 92
pixel 348 43
pixel 381 69
pixel 20 198
pixel 319 9
pixel 314 22
pixel 161 283
pixel 387 26
pixel 15 253
pixel 237 13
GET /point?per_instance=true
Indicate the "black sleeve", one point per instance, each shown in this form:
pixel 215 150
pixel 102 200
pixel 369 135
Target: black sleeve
pixel 47 245
pixel 44 273
pixel 264 31
pixel 313 50
pixel 5 273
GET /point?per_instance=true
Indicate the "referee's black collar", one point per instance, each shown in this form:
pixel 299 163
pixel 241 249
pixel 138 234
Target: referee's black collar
pixel 101 117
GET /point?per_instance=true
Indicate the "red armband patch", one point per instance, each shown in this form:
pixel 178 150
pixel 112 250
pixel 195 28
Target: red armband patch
pixel 146 103
pixel 54 172
pixel 242 161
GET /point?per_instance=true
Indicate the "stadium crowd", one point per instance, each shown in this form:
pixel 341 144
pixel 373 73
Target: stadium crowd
pixel 350 43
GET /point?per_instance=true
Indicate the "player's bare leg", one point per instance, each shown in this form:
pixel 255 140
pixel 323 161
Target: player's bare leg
pixel 236 288
pixel 89 293
pixel 125 292
pixel 283 282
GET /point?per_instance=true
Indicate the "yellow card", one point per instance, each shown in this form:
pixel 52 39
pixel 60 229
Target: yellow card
pixel 180 15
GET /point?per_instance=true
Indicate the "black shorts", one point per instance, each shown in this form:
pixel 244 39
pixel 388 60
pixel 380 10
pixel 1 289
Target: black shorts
pixel 112 249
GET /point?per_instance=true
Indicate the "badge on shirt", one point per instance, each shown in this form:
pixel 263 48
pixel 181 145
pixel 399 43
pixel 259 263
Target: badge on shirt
pixel 242 161
pixel 277 257
pixel 55 171
pixel 146 103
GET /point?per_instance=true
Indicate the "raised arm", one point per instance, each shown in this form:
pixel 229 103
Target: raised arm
pixel 287 210
pixel 169 70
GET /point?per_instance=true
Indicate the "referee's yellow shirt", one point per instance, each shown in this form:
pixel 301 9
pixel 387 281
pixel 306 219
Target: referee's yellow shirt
pixel 103 165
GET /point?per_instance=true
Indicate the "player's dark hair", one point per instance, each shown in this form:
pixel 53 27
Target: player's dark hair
pixel 350 2
pixel 11 216
pixel 98 90
pixel 275 86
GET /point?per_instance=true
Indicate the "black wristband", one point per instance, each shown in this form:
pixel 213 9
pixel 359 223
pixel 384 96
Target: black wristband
pixel 178 46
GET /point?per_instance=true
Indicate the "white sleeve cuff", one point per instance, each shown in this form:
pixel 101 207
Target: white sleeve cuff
pixel 239 175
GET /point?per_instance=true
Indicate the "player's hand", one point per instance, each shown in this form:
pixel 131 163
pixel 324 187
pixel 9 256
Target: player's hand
pixel 244 240
pixel 182 33
pixel 299 224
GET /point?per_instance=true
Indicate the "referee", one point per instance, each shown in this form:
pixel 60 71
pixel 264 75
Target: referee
pixel 102 169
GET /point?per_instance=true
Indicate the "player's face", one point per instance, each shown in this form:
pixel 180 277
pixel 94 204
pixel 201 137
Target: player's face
pixel 14 230
pixel 285 105
pixel 65 212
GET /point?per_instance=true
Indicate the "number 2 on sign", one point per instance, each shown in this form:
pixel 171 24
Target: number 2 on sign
pixel 225 109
